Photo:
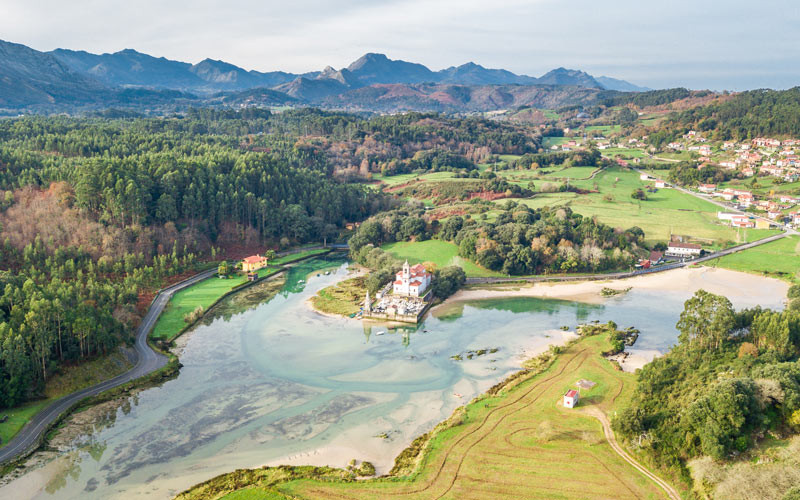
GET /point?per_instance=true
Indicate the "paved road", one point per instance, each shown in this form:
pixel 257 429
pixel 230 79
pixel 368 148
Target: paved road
pixel 148 361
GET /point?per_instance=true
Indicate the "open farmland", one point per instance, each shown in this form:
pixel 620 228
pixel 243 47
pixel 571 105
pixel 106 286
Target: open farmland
pixel 664 212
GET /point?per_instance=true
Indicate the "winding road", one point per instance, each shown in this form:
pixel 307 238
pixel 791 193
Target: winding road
pixel 671 492
pixel 148 361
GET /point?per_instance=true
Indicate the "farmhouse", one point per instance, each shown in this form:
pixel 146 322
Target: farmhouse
pixel 661 184
pixel 412 281
pixel 656 257
pixel 679 249
pixel 707 188
pixel 253 263
pixel 571 398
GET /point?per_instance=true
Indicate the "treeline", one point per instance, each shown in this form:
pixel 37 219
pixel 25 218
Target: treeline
pixel 732 377
pixel 519 241
pixel 649 98
pixel 687 174
pixel 587 158
pixel 64 307
pixel 429 161
pixel 755 113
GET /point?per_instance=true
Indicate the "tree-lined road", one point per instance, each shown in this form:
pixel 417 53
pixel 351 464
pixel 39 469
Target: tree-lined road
pixel 147 362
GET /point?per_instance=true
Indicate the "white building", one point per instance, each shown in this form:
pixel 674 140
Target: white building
pixel 412 281
pixel 571 398
pixel 679 249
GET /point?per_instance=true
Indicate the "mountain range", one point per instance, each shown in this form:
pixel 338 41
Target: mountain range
pixel 30 78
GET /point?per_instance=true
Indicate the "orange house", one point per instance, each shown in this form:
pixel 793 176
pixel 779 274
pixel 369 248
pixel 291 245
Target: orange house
pixel 253 263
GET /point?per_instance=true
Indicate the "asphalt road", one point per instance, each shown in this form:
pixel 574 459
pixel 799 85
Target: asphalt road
pixel 148 361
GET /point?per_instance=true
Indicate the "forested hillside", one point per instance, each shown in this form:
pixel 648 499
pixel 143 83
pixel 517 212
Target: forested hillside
pixel 95 210
pixel 732 382
pixel 755 113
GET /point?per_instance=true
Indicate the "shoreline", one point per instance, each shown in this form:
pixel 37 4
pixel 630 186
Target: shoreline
pixel 714 280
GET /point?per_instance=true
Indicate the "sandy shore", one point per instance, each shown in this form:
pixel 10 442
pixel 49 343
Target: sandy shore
pixel 747 287
pixel 634 359
pixel 741 288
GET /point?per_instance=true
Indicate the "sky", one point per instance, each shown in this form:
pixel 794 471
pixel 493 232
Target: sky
pixel 715 44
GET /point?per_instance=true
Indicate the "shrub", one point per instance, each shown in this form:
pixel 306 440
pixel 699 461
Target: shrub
pixel 194 315
pixel 748 349
pixel 366 469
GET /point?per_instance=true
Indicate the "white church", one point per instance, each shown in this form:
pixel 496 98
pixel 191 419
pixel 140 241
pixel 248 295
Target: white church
pixel 412 281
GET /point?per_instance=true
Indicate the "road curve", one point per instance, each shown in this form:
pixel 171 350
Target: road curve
pixel 671 492
pixel 147 362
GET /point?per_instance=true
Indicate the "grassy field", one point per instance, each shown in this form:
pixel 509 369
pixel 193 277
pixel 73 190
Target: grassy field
pixel 67 380
pixel 666 211
pixel 344 298
pixel 519 442
pixel 765 186
pixel 208 291
pixel 547 142
pixel 441 253
pixel 780 259
pixel 603 129
pixel 571 173
pixel 624 153
pixel 203 294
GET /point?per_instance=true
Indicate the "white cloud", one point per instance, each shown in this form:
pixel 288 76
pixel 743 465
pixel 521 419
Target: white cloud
pixel 702 43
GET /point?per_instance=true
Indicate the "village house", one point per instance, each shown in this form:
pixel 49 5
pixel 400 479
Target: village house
pixel 661 184
pixel 762 224
pixel 571 398
pixel 745 199
pixel 707 188
pixel 412 281
pixel 253 263
pixel 680 249
pixel 765 142
pixel 742 221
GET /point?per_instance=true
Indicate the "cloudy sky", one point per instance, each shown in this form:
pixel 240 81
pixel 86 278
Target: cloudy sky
pixel 718 44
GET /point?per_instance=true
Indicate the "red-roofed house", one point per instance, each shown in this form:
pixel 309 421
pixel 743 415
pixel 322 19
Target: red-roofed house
pixel 707 188
pixel 571 398
pixel 412 280
pixel 253 263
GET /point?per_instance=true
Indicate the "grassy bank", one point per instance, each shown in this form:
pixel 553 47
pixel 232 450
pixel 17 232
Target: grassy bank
pixel 343 298
pixel 516 441
pixel 207 292
pixel 777 259
pixel 69 379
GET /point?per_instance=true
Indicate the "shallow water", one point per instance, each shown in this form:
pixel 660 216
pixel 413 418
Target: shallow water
pixel 279 383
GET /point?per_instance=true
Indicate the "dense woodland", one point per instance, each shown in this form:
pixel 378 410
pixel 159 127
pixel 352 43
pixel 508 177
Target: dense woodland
pixel 521 240
pixel 746 115
pixel 732 379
